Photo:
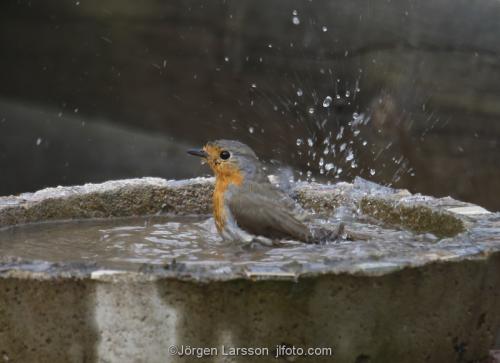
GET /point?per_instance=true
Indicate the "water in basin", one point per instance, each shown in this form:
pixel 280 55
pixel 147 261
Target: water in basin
pixel 128 243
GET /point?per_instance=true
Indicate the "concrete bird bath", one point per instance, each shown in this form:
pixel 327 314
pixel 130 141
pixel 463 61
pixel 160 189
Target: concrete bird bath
pixel 431 295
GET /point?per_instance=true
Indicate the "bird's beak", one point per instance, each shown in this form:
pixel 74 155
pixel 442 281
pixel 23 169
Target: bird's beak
pixel 196 152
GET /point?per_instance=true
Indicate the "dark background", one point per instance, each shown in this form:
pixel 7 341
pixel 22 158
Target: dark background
pixel 92 90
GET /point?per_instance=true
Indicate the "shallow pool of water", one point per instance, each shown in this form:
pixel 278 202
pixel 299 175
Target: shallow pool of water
pixel 128 243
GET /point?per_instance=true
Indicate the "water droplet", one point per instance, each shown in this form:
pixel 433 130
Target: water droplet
pixel 372 171
pixel 269 45
pixel 251 129
pixel 38 141
pixel 327 101
pixel 339 171
pixel 295 20
pixel 321 162
pixel 294 12
pixel 310 110
pixel 347 93
pixel 341 133
pixel 358 119
pixel 299 142
pixel 356 132
pixel 75 110
pixel 365 143
pixel 324 28
pixel 310 142
pixel 226 59
pixel 342 147
pixel 254 85
pixel 300 92
pixel 309 173
pixel 329 166
pixel 349 156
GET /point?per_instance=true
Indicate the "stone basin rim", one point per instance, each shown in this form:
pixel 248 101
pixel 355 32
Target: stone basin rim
pixel 154 273
pixel 192 196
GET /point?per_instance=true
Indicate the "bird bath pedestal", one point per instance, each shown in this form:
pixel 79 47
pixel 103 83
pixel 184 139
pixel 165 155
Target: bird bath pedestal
pixel 405 302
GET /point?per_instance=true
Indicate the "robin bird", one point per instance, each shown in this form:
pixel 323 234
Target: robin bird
pixel 246 206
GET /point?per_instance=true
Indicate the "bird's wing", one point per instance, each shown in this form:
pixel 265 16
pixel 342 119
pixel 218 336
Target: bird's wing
pixel 263 210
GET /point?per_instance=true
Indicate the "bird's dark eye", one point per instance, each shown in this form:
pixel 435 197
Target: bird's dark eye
pixel 224 155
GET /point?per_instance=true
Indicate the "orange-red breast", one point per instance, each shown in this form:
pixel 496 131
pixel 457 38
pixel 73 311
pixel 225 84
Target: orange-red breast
pixel 246 206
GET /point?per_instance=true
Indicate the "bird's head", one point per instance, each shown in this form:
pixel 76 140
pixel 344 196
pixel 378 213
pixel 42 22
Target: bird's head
pixel 228 158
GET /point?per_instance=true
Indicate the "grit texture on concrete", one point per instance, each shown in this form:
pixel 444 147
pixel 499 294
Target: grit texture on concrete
pixel 441 307
pixel 154 195
pixel 47 321
pixel 441 313
pixel 445 218
pixel 111 199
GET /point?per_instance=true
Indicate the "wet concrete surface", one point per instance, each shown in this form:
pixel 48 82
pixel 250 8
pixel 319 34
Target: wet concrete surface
pixel 404 230
pixel 439 304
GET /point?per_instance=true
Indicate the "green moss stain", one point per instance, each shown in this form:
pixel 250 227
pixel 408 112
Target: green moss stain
pixel 417 218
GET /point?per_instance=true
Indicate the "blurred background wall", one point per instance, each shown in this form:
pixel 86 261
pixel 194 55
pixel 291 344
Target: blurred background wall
pixel 405 93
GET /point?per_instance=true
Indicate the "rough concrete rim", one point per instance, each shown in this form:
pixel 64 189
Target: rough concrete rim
pixel 147 196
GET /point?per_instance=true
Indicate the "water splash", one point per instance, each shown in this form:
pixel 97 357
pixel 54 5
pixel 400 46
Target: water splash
pixel 327 101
